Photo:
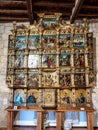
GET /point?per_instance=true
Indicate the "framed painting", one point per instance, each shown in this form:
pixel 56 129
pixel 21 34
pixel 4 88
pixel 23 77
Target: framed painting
pixel 65 59
pixel 49 61
pixel 66 97
pixel 33 79
pixel 49 98
pixel 34 42
pixel 20 42
pixel 79 40
pixel 49 79
pixel 81 97
pixel 33 61
pixel 80 80
pixel 49 23
pixel 19 97
pixel 20 60
pixel 49 42
pixel 79 60
pixel 32 97
pixel 20 78
pixel 65 40
pixel 65 80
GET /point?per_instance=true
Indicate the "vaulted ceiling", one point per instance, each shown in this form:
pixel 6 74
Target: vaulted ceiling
pixel 26 10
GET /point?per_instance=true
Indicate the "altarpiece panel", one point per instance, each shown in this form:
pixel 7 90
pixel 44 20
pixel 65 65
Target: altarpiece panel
pixel 50 63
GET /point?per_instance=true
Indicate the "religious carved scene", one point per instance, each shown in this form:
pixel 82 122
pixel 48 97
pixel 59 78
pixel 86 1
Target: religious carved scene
pixel 49 79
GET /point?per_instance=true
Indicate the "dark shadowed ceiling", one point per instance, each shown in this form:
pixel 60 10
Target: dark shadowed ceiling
pixel 26 10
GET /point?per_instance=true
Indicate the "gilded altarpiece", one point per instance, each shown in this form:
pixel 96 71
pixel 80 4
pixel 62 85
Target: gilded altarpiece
pixel 50 63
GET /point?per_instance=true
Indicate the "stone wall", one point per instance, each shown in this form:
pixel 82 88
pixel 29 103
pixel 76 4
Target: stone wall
pixel 5 93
